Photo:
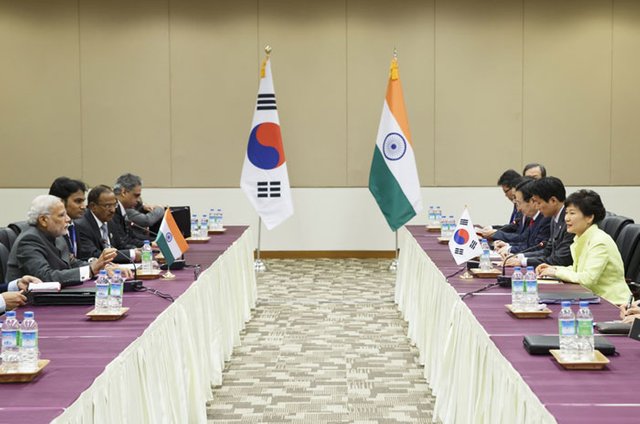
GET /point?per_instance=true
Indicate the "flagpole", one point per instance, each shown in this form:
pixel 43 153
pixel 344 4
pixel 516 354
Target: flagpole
pixel 259 264
pixel 393 267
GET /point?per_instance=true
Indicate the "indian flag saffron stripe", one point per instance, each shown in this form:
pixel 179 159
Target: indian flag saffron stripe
pixel 393 180
pixel 170 240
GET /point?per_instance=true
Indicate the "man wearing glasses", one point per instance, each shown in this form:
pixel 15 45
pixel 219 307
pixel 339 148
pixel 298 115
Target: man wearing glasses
pixel 95 228
pixel 128 190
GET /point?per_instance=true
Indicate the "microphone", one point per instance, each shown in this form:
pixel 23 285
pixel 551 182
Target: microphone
pixel 505 281
pixel 140 227
pixel 135 284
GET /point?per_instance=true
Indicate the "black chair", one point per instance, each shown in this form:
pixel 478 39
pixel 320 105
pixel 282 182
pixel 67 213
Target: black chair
pixel 632 273
pixel 7 237
pixel 18 226
pixel 4 258
pixel 613 225
pixel 627 243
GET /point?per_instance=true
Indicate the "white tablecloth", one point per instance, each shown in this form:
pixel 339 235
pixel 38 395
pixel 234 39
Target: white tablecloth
pixel 471 379
pixel 165 376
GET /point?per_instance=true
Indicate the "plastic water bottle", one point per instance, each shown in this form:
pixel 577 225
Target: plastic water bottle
pixel 10 343
pixel 517 288
pixel 204 225
pixel 219 223
pixel 485 257
pixel 437 215
pixel 115 300
pixel 194 226
pixel 147 258
pixel 585 341
pixel 29 354
pixel 102 293
pixel 431 216
pixel 212 219
pixel 531 290
pixel 567 332
pixel 444 226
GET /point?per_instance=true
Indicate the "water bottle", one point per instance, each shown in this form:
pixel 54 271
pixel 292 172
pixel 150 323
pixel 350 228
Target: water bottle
pixel 437 215
pixel 485 257
pixel 102 293
pixel 219 223
pixel 431 216
pixel 584 321
pixel 204 225
pixel 115 300
pixel 147 258
pixel 452 225
pixel 10 343
pixel 530 290
pixel 444 226
pixel 29 354
pixel 567 332
pixel 213 220
pixel 517 288
pixel 194 226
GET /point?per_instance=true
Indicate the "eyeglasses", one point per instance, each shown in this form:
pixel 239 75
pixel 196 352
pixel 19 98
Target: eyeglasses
pixel 107 205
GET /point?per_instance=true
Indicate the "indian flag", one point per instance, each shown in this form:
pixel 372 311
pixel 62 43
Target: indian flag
pixel 170 240
pixel 393 179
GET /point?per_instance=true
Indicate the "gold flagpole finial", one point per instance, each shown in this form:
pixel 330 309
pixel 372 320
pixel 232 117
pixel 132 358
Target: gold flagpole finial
pixel 267 50
pixel 395 53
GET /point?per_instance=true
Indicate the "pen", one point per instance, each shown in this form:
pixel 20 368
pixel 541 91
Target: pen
pixel 630 302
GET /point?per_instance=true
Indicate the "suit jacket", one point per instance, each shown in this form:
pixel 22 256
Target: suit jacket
pixel 558 248
pixel 90 243
pixel 122 235
pixel 538 231
pixel 36 253
pixel 144 219
pixel 512 231
pixel 597 265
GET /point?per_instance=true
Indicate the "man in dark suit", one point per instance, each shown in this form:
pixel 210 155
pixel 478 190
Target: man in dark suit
pixel 72 194
pixel 128 189
pixel 549 193
pixel 41 251
pixel 94 234
pixel 537 228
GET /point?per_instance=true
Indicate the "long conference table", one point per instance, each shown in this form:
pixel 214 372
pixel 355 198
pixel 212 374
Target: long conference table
pixel 473 355
pixel 157 364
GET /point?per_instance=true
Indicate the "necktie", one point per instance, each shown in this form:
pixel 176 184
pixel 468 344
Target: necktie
pixel 105 235
pixel 73 246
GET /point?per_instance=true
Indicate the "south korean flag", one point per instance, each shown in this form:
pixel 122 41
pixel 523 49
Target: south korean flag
pixel 464 244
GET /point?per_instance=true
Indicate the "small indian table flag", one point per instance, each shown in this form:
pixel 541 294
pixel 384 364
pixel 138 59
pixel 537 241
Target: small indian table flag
pixel 170 240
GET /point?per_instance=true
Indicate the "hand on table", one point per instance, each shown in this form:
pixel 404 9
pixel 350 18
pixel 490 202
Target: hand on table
pixel 23 283
pixel 13 299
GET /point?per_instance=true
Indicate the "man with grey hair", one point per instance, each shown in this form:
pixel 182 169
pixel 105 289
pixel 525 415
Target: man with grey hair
pixel 128 191
pixel 41 251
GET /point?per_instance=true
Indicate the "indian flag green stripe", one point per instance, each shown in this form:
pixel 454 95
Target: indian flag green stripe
pixel 165 249
pixel 384 187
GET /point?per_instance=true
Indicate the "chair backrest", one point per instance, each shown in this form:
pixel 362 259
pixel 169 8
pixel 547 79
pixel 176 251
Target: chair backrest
pixel 7 237
pixel 633 271
pixel 613 225
pixel 18 226
pixel 627 243
pixel 4 258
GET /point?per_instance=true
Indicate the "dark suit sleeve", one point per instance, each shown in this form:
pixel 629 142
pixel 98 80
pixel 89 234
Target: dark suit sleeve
pixel 86 244
pixel 145 219
pixel 562 253
pixel 32 258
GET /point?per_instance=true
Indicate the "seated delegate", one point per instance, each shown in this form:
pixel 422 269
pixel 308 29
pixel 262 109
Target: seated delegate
pixel 597 264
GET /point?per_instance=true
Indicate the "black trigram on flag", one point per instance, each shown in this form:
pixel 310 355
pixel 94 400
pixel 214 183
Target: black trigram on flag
pixel 473 244
pixel 266 102
pixel 464 222
pixel 268 188
pixel 458 251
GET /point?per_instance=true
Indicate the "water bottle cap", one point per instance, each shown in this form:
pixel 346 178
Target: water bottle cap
pixel 28 315
pixel 566 303
pixel 584 304
pixel 450 216
pixel 146 242
pixel 11 314
pixel 530 268
pixel 517 269
pixel 103 272
pixel 117 272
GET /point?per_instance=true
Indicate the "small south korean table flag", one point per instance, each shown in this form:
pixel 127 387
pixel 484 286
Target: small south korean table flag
pixel 464 244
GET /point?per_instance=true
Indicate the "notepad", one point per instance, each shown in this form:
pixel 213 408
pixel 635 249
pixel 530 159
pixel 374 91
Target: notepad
pixel 45 286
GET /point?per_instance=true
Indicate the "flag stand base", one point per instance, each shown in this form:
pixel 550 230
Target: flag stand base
pixel 467 275
pixel 168 276
pixel 393 266
pixel 259 265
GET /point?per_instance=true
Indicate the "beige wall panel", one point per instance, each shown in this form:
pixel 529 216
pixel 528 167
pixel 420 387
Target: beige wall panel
pixel 40 100
pixel 567 88
pixel 625 143
pixel 478 90
pixel 124 51
pixel 373 30
pixel 214 81
pixel 309 72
